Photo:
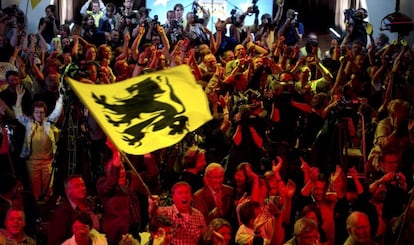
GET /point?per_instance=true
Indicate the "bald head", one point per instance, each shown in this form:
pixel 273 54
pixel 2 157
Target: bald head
pixel 359 228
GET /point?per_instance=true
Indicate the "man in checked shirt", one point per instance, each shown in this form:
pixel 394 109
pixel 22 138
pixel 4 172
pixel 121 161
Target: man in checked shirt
pixel 188 222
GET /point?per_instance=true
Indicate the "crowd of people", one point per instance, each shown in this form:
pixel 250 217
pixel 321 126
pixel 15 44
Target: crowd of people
pixel 271 167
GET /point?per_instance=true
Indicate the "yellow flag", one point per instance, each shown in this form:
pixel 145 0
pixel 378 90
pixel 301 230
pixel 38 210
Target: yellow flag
pixel 147 112
pixel 35 3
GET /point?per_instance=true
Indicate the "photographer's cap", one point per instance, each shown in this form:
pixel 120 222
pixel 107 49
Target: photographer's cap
pixel 290 13
pixel 266 16
pixel 143 9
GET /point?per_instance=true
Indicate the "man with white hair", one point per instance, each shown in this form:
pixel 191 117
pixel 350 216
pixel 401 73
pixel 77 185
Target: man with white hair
pixel 359 229
pixel 214 200
pixel 305 232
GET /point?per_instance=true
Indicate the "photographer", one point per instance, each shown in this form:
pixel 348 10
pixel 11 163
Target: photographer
pixel 392 134
pixel 267 29
pixel 357 29
pixel 237 28
pixel 391 184
pixel 52 22
pixel 292 29
pixel 173 29
pixel 196 27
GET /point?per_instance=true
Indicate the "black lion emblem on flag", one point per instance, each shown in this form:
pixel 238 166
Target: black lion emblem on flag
pixel 142 99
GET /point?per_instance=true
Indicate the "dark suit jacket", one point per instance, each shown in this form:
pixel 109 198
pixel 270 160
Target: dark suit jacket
pixel 60 225
pixel 121 207
pixel 204 201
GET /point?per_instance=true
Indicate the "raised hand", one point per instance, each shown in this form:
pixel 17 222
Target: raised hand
pixel 353 172
pixel 116 158
pixel 304 166
pixel 128 239
pixel 159 237
pixel 250 174
pixel 20 90
pixel 276 166
pixel 336 174
pixel 314 173
pixel 290 188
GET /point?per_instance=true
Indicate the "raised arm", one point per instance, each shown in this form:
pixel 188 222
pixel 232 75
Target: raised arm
pixel 108 184
pixel 17 108
pixel 213 45
pixel 125 47
pixel 85 7
pixel 57 111
pixel 341 76
pixel 220 26
pixel 279 13
pixel 164 39
pixel 137 41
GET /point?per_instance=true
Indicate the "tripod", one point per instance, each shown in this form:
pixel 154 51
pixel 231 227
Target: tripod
pixel 347 151
pixel 67 143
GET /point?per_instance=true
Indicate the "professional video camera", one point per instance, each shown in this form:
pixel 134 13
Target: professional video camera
pixel 238 20
pixel 255 9
pixel 155 20
pixel 196 18
pixel 247 102
pixel 355 17
pixel 346 107
pixel 174 31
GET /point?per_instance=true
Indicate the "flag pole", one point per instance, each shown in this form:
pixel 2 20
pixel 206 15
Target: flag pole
pixel 141 181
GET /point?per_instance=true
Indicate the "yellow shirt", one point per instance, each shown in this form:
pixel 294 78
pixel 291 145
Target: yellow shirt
pixel 96 16
pixel 41 144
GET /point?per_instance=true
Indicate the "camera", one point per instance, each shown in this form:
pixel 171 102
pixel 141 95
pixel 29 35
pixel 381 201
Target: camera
pixel 198 20
pixel 353 16
pixel 345 107
pixel 236 20
pixel 155 21
pixel 195 15
pixel 349 15
pixel 255 8
pixel 246 102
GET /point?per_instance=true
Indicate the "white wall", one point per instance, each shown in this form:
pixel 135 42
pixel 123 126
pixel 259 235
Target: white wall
pixel 33 14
